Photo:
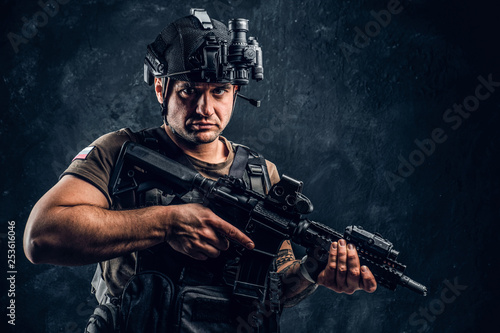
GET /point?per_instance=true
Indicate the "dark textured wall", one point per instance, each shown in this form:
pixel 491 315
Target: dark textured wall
pixel 346 103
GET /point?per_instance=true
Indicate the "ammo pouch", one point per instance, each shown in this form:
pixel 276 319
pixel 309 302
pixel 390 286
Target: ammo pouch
pixel 204 309
pixel 146 303
pixel 103 320
pixel 150 304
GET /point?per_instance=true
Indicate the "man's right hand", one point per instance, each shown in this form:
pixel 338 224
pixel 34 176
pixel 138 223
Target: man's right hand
pixel 198 232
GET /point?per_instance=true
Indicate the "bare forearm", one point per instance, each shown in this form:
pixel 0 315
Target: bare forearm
pixel 84 234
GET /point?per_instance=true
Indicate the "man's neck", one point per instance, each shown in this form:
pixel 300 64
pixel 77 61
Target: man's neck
pixel 213 152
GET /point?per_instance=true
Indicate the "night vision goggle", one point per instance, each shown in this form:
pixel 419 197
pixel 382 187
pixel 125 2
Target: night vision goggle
pixel 215 59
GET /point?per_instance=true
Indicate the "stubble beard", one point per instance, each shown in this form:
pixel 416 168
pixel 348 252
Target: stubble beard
pixel 192 137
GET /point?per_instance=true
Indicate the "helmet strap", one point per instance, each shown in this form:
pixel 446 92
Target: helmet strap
pixel 164 104
pixel 235 96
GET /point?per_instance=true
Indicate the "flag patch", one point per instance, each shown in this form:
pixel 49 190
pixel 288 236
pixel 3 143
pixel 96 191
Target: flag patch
pixel 83 154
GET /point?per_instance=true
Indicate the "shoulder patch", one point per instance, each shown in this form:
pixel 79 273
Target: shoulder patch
pixel 83 154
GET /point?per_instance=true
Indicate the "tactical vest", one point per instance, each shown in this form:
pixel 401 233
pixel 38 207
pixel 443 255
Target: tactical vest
pixel 171 292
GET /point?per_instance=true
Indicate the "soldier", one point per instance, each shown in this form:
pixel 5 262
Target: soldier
pixel 168 263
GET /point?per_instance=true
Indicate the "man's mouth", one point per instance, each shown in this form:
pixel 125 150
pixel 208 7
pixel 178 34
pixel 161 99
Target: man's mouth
pixel 201 126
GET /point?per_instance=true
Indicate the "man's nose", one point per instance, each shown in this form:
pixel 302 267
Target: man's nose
pixel 205 105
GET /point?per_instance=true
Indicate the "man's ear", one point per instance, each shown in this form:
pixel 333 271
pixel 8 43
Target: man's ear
pixel 159 90
pixel 236 89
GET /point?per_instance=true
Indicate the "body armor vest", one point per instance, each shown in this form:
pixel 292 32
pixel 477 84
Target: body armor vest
pixel 171 292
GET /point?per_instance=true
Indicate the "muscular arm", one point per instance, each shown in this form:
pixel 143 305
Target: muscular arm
pixel 71 225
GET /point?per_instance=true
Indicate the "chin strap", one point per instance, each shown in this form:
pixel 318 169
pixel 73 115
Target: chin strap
pixel 235 95
pixel 163 105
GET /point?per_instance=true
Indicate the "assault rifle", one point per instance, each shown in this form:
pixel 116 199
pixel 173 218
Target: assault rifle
pixel 267 219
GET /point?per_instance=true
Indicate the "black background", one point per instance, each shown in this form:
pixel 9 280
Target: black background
pixel 338 118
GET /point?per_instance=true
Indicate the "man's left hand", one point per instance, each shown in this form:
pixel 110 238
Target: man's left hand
pixel 343 272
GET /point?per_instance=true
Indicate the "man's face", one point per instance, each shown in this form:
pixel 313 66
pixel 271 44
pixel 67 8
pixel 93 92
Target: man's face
pixel 199 112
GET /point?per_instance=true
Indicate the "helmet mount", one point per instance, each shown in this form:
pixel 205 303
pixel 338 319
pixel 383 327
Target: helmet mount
pixel 196 48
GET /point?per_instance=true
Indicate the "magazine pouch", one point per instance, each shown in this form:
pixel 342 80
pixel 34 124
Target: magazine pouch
pixel 147 301
pixel 103 320
pixel 205 309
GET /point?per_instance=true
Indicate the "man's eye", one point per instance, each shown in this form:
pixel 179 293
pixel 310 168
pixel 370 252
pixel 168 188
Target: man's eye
pixel 219 91
pixel 188 91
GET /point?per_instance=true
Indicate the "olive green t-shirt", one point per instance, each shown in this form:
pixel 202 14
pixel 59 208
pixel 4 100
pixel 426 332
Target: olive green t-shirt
pixel 95 165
